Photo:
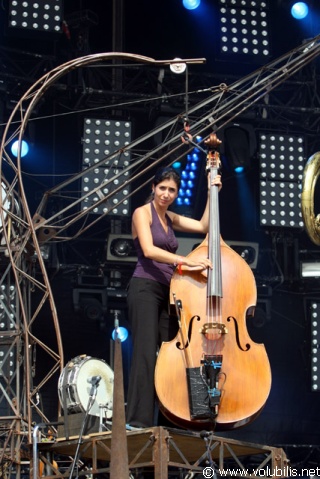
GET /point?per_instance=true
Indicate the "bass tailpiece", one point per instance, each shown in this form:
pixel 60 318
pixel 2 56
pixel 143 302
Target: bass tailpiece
pixel 204 395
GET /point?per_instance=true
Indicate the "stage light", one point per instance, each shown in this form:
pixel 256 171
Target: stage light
pixel 92 309
pixel 310 269
pixel 280 204
pixel 281 171
pixel 191 4
pixel 299 10
pixel 7 364
pixel 38 16
pixel 314 312
pixel 7 307
pixel 101 138
pixel 188 179
pixel 244 28
pixel 178 67
pixel 238 146
pixel 91 303
pixel 24 148
pixel 121 333
pixel 176 165
pixel 121 328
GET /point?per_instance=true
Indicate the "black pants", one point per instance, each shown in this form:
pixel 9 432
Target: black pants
pixel 148 303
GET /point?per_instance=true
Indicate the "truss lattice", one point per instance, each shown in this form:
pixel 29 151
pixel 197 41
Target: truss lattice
pixel 23 267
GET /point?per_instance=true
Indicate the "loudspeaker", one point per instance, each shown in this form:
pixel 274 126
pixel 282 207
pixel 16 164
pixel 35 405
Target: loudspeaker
pixel 120 248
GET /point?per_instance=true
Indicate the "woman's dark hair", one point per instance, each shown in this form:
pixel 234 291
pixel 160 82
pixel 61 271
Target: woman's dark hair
pixel 167 173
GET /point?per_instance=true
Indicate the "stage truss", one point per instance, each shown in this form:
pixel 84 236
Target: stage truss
pixel 167 451
pixel 23 234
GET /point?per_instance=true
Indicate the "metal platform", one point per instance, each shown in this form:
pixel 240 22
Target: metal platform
pixel 166 450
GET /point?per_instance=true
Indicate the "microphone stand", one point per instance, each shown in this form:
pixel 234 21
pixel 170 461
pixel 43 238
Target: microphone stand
pixel 92 397
pixel 205 435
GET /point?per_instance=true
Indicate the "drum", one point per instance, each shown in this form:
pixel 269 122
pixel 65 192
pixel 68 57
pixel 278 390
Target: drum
pixel 74 386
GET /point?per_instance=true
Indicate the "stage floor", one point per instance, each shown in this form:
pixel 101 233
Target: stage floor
pixel 164 449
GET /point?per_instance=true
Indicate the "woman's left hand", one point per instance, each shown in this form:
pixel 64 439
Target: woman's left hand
pixel 216 181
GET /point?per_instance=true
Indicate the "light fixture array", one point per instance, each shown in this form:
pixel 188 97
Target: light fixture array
pixel 36 15
pixel 281 171
pixel 244 27
pixel 315 343
pixel 7 363
pixel 7 328
pixel 7 307
pixel 100 139
pixel 189 179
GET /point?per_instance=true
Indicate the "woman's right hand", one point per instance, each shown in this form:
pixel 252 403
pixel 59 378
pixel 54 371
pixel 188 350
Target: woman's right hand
pixel 197 265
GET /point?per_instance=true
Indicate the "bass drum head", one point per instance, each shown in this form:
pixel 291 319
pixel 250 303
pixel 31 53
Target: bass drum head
pixel 75 390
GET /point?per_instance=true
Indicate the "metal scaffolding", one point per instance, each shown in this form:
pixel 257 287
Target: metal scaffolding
pixel 23 234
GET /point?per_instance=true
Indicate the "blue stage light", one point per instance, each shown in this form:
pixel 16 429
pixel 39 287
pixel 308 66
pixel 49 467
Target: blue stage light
pixel 299 10
pixel 120 333
pixel 239 169
pixel 176 165
pixel 15 148
pixel 188 179
pixel 191 4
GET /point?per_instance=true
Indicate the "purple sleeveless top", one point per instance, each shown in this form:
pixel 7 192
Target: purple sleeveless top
pixel 148 268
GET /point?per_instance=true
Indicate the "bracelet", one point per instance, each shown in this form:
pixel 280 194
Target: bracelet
pixel 179 264
pixel 179 261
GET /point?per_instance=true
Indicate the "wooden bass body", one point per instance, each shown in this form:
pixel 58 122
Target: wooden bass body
pixel 244 380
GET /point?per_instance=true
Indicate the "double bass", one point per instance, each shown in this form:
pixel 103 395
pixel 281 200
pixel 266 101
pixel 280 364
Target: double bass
pixel 212 375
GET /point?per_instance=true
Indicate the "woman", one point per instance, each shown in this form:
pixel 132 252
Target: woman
pixel 153 229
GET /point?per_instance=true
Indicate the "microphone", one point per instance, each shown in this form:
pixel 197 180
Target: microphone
pixel 94 379
pixel 205 434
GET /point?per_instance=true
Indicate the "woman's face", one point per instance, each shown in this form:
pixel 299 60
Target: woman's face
pixel 165 192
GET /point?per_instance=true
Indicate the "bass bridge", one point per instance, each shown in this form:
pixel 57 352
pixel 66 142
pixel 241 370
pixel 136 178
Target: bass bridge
pixel 208 328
